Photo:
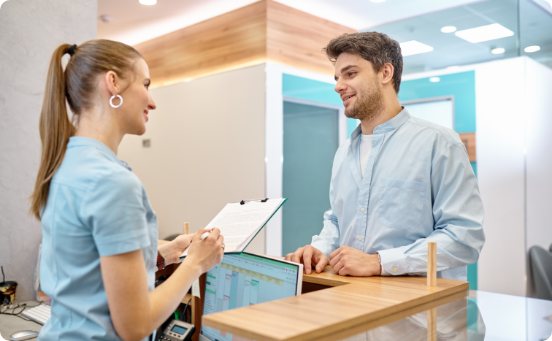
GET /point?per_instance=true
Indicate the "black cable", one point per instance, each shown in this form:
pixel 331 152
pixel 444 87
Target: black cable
pixel 23 307
pixel 18 314
pixel 186 309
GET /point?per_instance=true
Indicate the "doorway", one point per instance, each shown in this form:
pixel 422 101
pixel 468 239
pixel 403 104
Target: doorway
pixel 311 138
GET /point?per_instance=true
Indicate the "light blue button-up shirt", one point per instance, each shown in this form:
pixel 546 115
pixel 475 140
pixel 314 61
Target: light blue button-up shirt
pixel 96 207
pixel 418 186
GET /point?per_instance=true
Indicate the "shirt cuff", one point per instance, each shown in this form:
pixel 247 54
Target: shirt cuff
pixel 322 245
pixel 393 262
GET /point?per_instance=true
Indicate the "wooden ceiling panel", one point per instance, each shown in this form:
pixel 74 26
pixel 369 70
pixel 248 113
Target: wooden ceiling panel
pixel 228 41
pixel 296 38
pixel 265 30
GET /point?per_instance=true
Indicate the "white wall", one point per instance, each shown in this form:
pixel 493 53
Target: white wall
pixel 29 33
pixel 207 149
pixel 538 107
pixel 500 124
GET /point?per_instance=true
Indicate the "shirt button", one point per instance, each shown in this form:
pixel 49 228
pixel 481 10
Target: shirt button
pixel 362 209
pixel 395 269
pixel 359 238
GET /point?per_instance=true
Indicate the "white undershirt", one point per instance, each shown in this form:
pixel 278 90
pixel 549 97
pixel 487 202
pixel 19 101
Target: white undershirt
pixel 365 150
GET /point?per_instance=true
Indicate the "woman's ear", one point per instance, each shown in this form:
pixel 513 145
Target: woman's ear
pixel 112 82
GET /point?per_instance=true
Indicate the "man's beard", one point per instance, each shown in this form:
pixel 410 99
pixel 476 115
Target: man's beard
pixel 367 107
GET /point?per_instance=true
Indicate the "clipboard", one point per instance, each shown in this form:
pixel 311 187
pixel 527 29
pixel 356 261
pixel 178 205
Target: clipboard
pixel 241 222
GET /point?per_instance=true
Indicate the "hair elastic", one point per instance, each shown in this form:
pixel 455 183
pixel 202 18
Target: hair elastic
pixel 72 50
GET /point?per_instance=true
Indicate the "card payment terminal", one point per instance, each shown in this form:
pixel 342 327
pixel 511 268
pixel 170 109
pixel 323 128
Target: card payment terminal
pixel 177 331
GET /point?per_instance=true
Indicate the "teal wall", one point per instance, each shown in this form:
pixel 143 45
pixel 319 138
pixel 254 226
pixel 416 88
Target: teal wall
pixel 316 91
pixel 460 85
pixel 309 89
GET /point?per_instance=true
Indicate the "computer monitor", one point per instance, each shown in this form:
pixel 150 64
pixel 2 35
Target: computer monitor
pixel 245 279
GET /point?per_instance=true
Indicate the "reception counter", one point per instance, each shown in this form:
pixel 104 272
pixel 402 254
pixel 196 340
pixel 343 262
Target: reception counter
pixel 473 315
pixel 332 306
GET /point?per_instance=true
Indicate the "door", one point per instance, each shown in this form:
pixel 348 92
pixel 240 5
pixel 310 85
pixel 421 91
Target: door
pixel 311 138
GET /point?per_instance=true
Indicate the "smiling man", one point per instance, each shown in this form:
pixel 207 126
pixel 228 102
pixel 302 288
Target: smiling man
pixel 397 183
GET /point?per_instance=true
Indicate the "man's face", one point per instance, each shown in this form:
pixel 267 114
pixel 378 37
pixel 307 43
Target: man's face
pixel 359 87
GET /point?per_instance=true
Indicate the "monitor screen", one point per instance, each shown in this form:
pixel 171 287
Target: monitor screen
pixel 242 280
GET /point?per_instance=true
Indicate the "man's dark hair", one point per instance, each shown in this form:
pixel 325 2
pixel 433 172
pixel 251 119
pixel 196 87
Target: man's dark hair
pixel 375 47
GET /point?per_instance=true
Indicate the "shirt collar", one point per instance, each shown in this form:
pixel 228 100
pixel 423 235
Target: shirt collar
pixel 392 124
pixel 77 141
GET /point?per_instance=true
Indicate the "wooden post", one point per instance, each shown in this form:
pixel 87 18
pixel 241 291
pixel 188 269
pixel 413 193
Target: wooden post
pixel 197 307
pixel 432 264
pixel 432 324
pixel 186 228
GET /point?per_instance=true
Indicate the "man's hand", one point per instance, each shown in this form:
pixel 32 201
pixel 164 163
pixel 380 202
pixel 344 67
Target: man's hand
pixel 171 251
pixel 349 261
pixel 309 256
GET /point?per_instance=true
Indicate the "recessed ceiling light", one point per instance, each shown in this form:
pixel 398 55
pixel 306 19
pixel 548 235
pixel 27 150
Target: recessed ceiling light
pixel 448 29
pixel 412 47
pixel 148 2
pixel 434 79
pixel 498 50
pixel 484 33
pixel 530 49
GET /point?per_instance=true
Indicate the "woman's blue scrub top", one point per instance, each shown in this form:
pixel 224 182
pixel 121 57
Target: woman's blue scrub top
pixel 96 207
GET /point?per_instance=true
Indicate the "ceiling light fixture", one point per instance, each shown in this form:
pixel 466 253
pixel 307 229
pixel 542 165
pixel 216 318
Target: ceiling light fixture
pixel 448 29
pixel 413 47
pixel 530 49
pixel 148 2
pixel 484 33
pixel 453 67
pixel 434 79
pixel 498 50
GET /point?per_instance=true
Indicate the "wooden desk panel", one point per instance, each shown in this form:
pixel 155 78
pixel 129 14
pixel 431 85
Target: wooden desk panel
pixel 352 302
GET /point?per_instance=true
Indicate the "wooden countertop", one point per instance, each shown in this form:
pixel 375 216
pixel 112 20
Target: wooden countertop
pixel 345 303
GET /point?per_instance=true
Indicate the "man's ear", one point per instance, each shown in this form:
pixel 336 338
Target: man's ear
pixel 387 73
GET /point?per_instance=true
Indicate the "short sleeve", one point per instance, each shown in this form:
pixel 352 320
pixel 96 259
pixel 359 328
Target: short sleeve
pixel 114 211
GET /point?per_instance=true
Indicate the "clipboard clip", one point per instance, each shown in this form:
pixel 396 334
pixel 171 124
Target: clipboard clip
pixel 258 200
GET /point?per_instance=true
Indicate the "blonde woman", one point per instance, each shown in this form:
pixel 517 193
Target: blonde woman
pixel 99 230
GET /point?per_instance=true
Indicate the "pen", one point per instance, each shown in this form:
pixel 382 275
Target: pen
pixel 205 234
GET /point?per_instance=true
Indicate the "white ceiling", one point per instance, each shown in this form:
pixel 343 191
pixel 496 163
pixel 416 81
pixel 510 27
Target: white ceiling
pixel 133 23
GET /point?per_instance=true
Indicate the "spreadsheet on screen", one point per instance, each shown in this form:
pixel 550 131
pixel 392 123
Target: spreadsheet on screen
pixel 242 280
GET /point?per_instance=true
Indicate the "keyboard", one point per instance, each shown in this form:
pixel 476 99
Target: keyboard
pixel 39 314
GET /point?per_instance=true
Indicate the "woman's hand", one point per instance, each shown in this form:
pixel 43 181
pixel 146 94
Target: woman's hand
pixel 207 253
pixel 171 251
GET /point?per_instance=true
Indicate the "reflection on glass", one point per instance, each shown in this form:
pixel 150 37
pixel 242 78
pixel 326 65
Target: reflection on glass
pixel 456 34
pixel 458 320
pixel 535 20
pixel 478 32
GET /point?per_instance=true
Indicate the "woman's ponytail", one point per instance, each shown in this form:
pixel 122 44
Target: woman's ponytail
pixel 55 130
pixel 78 85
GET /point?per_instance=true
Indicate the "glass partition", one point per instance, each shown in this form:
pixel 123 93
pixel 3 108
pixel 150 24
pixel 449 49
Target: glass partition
pixel 478 32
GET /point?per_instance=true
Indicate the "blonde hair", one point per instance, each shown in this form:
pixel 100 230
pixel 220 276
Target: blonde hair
pixel 78 85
